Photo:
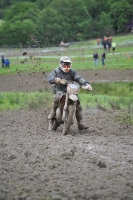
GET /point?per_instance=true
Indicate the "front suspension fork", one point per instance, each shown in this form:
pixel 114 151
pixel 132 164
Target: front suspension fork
pixel 64 115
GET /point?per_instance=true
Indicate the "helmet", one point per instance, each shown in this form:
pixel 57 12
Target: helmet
pixel 65 64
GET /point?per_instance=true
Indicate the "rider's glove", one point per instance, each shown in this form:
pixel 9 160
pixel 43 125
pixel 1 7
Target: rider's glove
pixel 87 87
pixel 59 81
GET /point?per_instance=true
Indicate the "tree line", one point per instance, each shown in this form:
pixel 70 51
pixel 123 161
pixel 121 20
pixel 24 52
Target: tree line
pixel 47 22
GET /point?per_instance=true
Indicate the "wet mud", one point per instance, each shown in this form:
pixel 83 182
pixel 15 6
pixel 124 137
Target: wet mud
pixel 85 165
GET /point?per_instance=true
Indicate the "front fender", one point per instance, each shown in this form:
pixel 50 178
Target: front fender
pixel 73 97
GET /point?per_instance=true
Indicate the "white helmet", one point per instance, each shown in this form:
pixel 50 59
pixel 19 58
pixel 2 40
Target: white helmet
pixel 65 64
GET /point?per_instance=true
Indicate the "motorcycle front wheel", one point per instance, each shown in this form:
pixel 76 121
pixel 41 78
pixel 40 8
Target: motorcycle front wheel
pixel 69 120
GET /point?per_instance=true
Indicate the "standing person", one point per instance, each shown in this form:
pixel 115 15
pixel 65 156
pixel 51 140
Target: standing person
pixel 103 58
pixel 105 42
pixel 110 38
pixel 113 47
pixel 98 41
pixel 3 61
pixel 95 56
pixel 7 63
pixel 105 45
pixel 109 45
pixel 55 77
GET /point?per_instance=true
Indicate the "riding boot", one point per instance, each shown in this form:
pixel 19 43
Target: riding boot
pixel 79 118
pixel 54 107
pixel 53 111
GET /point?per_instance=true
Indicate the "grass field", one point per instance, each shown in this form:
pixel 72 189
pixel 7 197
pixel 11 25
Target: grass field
pixel 81 54
pixel 115 95
pixel 108 95
pixel 36 64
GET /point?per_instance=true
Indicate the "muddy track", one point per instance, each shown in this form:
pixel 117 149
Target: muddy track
pixel 39 165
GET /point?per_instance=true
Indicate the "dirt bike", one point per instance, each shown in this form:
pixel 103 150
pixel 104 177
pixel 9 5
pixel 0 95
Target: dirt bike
pixel 65 112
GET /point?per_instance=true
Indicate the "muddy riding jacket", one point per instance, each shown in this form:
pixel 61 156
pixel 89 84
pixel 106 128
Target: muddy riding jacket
pixel 70 76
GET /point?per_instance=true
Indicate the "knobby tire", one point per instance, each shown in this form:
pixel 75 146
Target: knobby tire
pixel 68 122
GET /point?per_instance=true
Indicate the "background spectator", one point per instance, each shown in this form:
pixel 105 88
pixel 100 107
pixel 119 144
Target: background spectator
pixel 113 47
pixel 109 45
pixel 7 63
pixel 104 43
pixel 103 58
pixel 95 56
pixel 3 61
pixel 98 41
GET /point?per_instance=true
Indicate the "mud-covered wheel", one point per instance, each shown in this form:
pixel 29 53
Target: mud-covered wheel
pixel 69 120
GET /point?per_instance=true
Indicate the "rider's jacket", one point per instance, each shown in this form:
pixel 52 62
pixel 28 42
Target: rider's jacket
pixel 70 76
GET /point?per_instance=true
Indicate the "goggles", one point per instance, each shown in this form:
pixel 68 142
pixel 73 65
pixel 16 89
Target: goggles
pixel 66 65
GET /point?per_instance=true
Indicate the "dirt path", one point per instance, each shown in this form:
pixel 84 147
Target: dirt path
pixel 36 81
pixel 92 164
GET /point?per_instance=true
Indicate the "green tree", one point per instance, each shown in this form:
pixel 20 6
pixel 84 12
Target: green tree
pixel 4 3
pixel 3 6
pixel 43 4
pixel 121 13
pixel 67 20
pixel 19 22
pixel 96 7
pixel 16 33
pixel 99 11
pixel 64 20
pixel 21 11
pixel 105 24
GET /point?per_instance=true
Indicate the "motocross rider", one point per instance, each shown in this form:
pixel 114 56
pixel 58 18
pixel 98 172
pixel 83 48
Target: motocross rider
pixel 55 77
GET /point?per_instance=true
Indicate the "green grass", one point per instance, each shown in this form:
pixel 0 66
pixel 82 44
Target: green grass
pixel 108 95
pixel 117 61
pixel 1 21
pixel 16 101
pixel 80 52
pixel 119 89
pixel 115 95
pixel 106 102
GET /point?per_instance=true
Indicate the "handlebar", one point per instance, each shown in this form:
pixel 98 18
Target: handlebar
pixel 64 81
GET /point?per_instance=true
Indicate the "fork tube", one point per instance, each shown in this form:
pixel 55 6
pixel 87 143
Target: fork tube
pixel 65 108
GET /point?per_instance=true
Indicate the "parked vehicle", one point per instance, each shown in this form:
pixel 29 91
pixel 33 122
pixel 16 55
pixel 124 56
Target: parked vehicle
pixel 62 44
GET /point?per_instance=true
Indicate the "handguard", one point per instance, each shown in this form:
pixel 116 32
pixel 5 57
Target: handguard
pixel 60 81
pixel 87 87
